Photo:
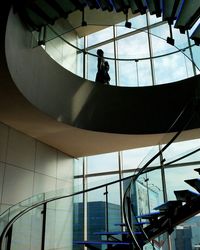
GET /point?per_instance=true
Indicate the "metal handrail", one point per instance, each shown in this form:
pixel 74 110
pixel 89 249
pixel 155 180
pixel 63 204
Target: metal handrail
pixel 132 178
pixel 26 210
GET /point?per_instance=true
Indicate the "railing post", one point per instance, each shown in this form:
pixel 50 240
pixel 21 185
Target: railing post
pixel 44 213
pixel 106 209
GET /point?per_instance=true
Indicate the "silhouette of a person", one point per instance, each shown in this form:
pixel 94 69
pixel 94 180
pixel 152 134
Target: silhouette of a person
pixel 102 75
pixel 106 74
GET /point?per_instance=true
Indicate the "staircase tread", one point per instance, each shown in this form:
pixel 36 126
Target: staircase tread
pixel 115 233
pixel 197 170
pixel 150 215
pixel 185 195
pixel 111 233
pixel 193 180
pixel 142 223
pixel 195 183
pixel 169 204
pixel 102 242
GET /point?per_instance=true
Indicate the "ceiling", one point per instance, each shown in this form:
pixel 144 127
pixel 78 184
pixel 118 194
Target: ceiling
pixel 103 19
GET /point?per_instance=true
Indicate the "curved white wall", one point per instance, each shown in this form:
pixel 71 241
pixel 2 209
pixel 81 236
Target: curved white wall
pixel 51 88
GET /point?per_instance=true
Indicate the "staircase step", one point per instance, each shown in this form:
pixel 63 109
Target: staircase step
pixel 195 183
pixel 141 223
pixel 197 169
pixel 170 9
pixel 185 195
pixel 111 233
pixel 169 205
pixel 154 8
pixel 101 243
pixel 150 215
pixel 188 15
pixel 120 224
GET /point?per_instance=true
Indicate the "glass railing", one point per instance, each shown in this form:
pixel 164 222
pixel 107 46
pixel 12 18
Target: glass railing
pixel 56 220
pixel 154 184
pixel 147 61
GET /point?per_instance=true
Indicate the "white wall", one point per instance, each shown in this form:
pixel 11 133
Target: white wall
pixel 29 167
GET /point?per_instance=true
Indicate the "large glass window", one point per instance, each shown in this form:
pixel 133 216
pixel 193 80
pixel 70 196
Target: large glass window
pixel 138 56
pixel 137 22
pixel 100 36
pixel 171 68
pixel 102 163
pixel 104 204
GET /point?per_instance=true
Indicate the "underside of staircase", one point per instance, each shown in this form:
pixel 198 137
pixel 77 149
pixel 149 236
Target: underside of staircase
pixel 183 14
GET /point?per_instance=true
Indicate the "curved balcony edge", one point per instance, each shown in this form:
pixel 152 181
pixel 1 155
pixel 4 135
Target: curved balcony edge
pixel 79 109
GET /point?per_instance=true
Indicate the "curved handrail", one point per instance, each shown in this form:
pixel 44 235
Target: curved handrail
pixel 132 178
pixel 142 170
pixel 147 170
pixel 26 210
pixel 127 59
pixel 80 101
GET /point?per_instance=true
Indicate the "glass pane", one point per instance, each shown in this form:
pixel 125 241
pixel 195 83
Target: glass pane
pixel 154 183
pixel 78 221
pixel 196 57
pixel 91 67
pixel 173 183
pixel 102 163
pixel 158 39
pixel 80 64
pixel 128 73
pixel 78 184
pixel 188 62
pixel 69 53
pixel 96 214
pixel 27 231
pixel 101 180
pixel 166 69
pixel 78 166
pixel 133 47
pixel 114 207
pixel 59 224
pixel 144 69
pixel 100 36
pixel 179 149
pixel 133 158
pixel 133 73
pixel 137 22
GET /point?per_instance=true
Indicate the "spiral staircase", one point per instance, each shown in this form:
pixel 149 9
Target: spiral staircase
pixel 137 229
pixel 135 232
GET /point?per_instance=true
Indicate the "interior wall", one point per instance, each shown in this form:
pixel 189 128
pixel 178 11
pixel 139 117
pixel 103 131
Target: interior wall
pixel 29 167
